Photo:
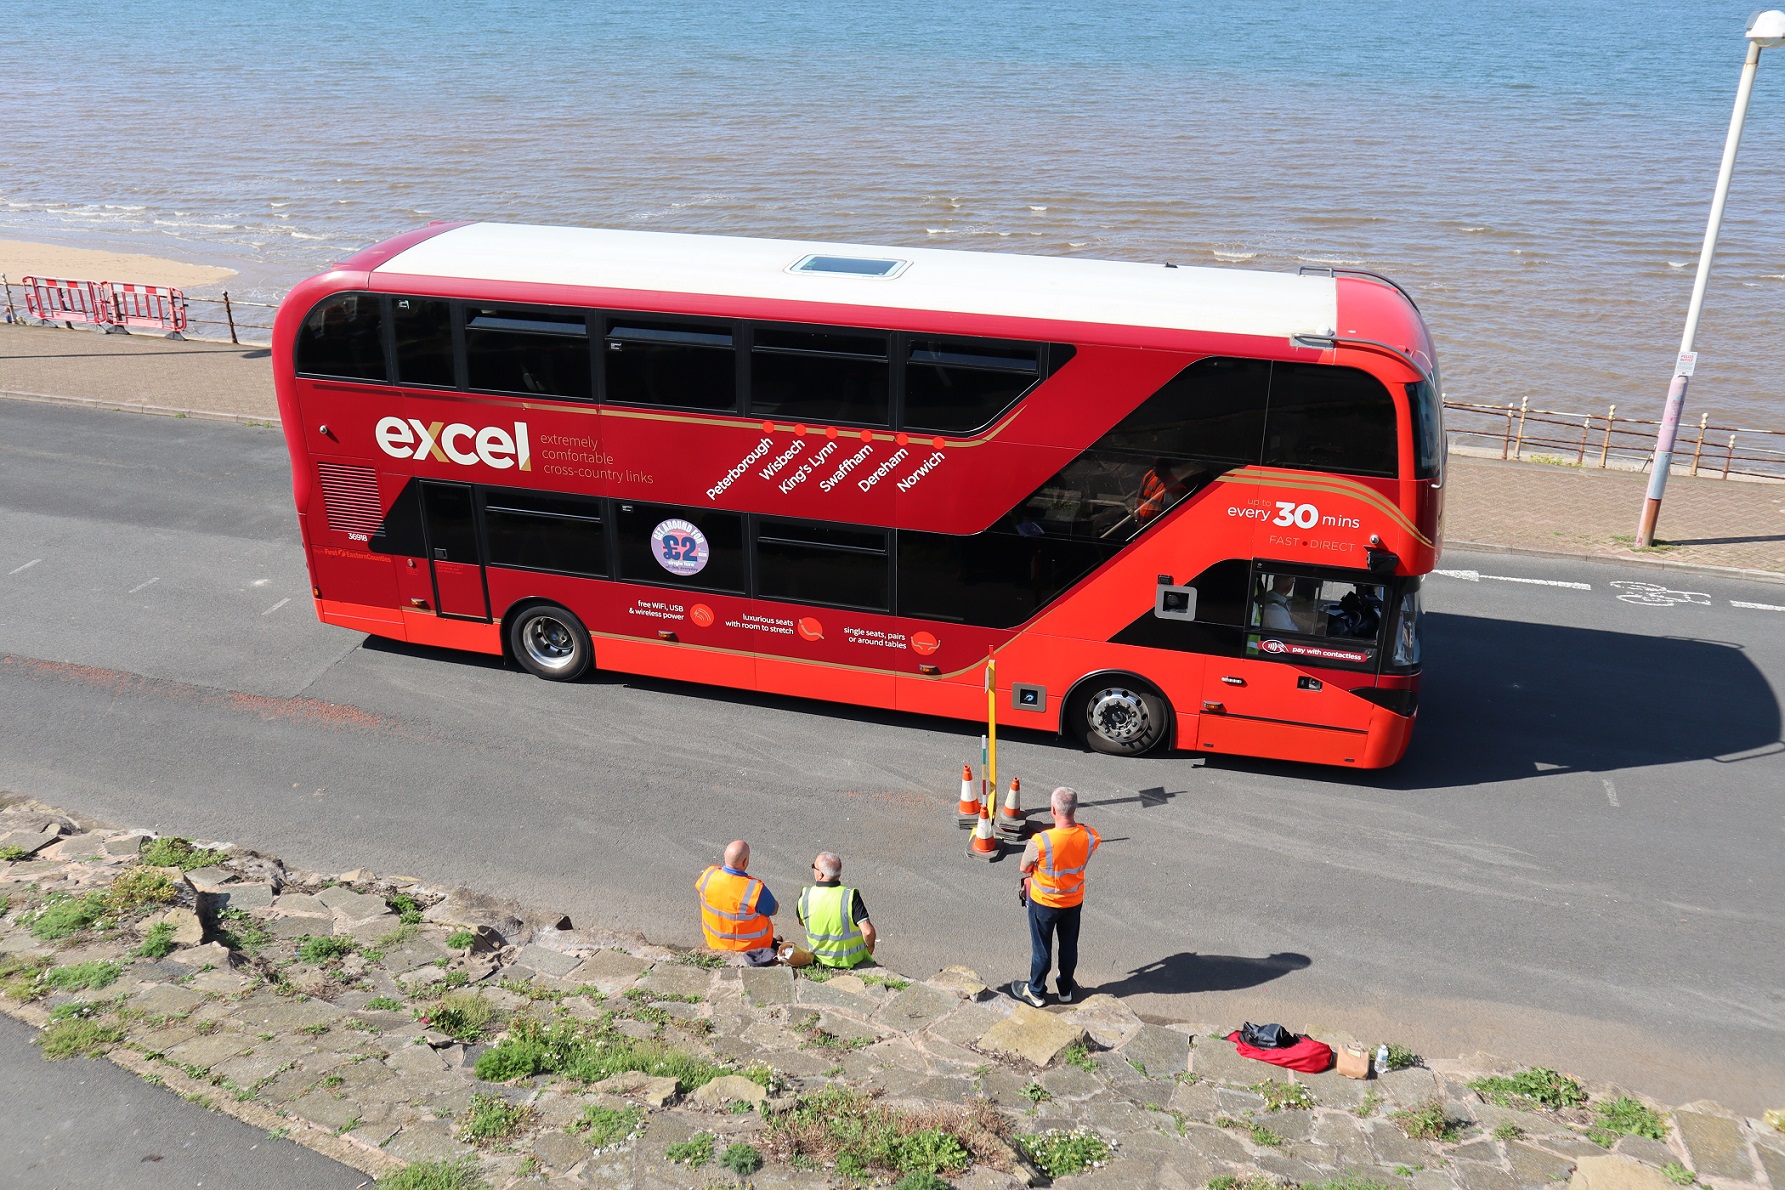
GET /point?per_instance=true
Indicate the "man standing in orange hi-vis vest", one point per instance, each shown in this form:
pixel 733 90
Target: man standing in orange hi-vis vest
pixel 735 908
pixel 1055 862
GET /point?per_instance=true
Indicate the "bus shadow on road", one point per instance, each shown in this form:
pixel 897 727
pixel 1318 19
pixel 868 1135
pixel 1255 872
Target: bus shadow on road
pixel 1502 700
pixel 1188 971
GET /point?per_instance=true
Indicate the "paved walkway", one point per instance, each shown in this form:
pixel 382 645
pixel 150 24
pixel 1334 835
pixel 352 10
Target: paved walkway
pixel 1528 506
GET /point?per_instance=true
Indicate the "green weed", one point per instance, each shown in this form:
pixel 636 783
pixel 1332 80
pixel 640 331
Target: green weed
pixel 1255 1181
pixel 1036 1093
pixel 891 983
pixel 491 1119
pixel 82 976
pixel 741 1159
pixel 171 852
pixel 324 948
pixel 407 911
pixel 384 1004
pixel 697 1150
pixel 587 1052
pixel 1264 1138
pixel 1060 1151
pixel 604 1126
pixel 1280 1096
pixel 460 939
pixel 920 1181
pixel 1371 1101
pixel 463 1016
pixel 1624 1116
pixel 12 853
pixel 158 942
pixel 1678 1174
pixel 1428 1121
pixel 863 1138
pixel 1077 1054
pixel 63 916
pixel 137 888
pixel 1508 1131
pixel 1350 1181
pixel 1401 1058
pixel 78 1037
pixel 1537 1087
pixel 699 958
pixel 242 932
pixel 459 1174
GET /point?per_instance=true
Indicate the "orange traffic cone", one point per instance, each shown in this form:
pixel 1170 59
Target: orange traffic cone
pixel 968 810
pixel 985 846
pixel 1011 823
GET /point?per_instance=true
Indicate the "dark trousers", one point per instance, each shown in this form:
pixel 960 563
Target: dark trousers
pixel 1044 922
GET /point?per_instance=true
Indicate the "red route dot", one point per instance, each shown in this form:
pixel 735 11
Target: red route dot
pixel 867 435
pixel 800 429
pixel 768 427
pixel 901 439
pixel 831 432
pixel 936 442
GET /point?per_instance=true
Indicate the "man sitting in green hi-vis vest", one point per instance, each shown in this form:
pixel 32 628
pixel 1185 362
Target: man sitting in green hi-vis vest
pixel 835 916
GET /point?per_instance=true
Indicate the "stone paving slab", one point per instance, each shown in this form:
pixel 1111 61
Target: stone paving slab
pixel 1714 1145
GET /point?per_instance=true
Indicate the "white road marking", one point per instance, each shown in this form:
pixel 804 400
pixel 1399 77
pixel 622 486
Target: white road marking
pixel 269 611
pixel 1759 607
pixel 26 566
pixel 1654 595
pixel 1611 792
pixel 1475 576
pixel 140 586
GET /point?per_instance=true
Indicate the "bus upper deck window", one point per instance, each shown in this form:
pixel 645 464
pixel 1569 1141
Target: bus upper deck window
pixel 343 336
pixel 1330 419
pixel 954 386
pixel 526 350
pixel 821 376
pixel 688 365
pixel 424 341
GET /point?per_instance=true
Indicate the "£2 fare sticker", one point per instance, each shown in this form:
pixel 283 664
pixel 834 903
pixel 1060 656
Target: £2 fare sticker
pixel 679 547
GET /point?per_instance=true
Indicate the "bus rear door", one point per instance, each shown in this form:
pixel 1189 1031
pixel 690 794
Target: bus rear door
pixel 450 522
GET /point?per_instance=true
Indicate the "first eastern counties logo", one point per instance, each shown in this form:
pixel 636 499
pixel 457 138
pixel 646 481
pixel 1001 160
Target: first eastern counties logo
pixel 493 446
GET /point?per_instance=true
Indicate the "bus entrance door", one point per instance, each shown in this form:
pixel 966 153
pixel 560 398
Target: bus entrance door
pixel 457 563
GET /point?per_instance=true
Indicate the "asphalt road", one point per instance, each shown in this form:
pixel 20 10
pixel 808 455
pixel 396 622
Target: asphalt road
pixel 1577 864
pixel 80 1124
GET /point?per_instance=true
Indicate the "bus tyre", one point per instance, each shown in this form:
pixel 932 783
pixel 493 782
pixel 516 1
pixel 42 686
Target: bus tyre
pixel 551 643
pixel 1118 716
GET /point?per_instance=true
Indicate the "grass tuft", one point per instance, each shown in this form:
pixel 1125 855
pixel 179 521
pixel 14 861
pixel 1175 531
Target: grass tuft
pixel 1060 1151
pixel 1624 1116
pixel 1538 1087
pixel 491 1120
pixel 1402 1058
pixel 138 887
pixel 697 1150
pixel 742 1159
pixel 242 932
pixel 863 1138
pixel 63 916
pixel 460 939
pixel 588 1052
pixel 404 906
pixel 1428 1121
pixel 158 942
pixel 1281 1096
pixel 920 1181
pixel 171 852
pixel 1508 1131
pixel 1079 1055
pixel 605 1126
pixel 324 948
pixel 1350 1181
pixel 460 1174
pixel 384 1004
pixel 82 976
pixel 699 958
pixel 1678 1174
pixel 463 1016
pixel 78 1036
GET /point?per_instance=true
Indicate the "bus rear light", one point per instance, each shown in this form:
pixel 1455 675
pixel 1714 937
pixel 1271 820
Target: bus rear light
pixel 316 591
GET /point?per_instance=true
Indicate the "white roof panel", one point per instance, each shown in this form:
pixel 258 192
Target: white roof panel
pixel 1072 289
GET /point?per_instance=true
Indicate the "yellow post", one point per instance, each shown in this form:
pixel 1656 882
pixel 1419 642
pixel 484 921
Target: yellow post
pixel 991 734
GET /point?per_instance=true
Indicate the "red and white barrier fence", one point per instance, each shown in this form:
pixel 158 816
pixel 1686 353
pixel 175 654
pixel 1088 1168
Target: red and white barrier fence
pixel 54 300
pixel 108 304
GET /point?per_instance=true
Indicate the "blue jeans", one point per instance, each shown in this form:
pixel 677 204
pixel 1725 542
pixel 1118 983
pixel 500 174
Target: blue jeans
pixel 1044 922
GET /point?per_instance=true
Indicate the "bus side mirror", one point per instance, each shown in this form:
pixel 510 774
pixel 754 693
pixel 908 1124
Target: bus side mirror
pixel 1175 603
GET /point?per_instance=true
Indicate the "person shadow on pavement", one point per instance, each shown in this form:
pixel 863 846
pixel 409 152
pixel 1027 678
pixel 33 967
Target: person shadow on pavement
pixel 1188 971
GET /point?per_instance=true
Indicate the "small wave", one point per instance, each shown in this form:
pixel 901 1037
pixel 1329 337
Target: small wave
pixel 1033 208
pixel 1218 254
pixel 1078 243
pixel 1330 260
pixel 1678 264
pixel 278 204
pixel 1774 276
pixel 298 235
pixel 1471 229
pixel 939 231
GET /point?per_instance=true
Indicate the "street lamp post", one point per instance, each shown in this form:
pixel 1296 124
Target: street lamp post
pixel 1765 30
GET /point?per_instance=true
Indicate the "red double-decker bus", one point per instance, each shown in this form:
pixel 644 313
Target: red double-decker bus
pixel 1180 506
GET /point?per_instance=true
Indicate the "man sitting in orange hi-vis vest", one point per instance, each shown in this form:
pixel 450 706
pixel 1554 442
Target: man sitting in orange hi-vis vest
pixel 735 908
pixel 1055 861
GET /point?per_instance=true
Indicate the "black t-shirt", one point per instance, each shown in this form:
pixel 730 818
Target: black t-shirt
pixel 861 907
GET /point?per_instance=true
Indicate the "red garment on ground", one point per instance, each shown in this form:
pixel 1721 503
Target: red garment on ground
pixel 1306 1055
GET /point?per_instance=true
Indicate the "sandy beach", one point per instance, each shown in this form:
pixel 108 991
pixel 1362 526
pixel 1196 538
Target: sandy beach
pixel 19 258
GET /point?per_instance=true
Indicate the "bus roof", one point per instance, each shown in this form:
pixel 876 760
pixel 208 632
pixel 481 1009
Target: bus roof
pixel 1072 289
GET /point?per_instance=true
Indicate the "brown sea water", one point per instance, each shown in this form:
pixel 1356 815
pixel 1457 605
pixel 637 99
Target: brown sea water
pixel 1537 174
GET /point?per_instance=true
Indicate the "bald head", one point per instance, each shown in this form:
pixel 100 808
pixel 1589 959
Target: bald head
pixel 828 866
pixel 1064 804
pixel 737 855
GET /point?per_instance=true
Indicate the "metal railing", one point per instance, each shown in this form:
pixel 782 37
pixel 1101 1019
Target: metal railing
pixel 220 319
pixel 1611 440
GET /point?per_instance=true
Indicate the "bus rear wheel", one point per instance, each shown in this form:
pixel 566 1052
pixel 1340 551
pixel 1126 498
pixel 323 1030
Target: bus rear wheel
pixel 1118 715
pixel 551 643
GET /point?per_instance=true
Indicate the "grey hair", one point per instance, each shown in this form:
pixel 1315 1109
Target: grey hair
pixel 1064 801
pixel 829 866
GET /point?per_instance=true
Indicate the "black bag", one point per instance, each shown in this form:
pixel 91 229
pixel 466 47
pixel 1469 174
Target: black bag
pixel 1267 1037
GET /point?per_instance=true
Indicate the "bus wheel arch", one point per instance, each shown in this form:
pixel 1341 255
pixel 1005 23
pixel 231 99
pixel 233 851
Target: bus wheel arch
pixel 1117 713
pixel 547 640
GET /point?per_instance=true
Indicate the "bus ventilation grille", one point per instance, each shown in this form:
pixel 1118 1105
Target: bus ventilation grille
pixel 351 496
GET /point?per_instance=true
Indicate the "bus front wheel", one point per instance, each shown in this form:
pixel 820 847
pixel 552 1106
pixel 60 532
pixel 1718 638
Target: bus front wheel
pixel 551 643
pixel 1118 715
